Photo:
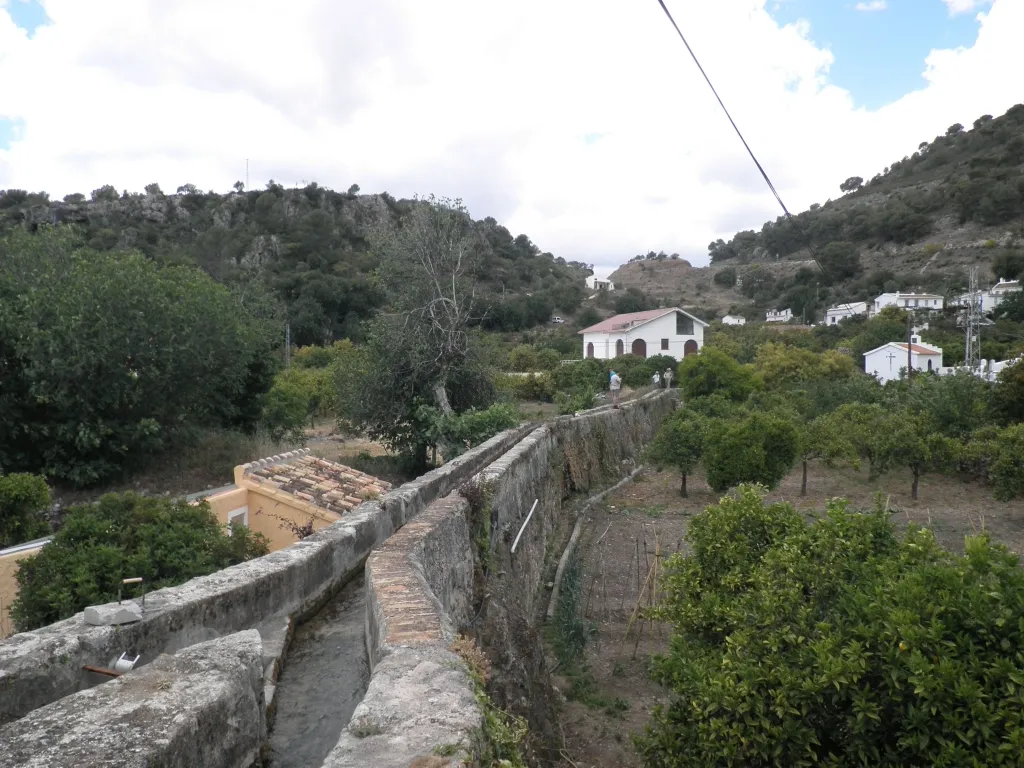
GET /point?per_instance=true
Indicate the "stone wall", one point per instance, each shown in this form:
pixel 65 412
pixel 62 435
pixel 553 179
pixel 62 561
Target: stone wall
pixel 200 707
pixel 42 666
pixel 435 578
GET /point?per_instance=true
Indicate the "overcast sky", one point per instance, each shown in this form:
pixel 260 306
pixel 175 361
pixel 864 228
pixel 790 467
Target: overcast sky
pixel 582 123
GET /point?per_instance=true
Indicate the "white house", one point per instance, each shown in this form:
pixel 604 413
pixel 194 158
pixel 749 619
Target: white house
pixel 886 361
pixel 910 301
pixel 991 298
pixel 734 320
pixel 780 316
pixel 598 284
pixel 668 331
pixel 842 311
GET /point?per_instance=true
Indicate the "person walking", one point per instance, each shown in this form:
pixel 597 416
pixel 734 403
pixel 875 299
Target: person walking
pixel 614 385
pixel 668 378
pixel 656 380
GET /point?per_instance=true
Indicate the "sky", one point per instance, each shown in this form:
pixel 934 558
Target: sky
pixel 581 123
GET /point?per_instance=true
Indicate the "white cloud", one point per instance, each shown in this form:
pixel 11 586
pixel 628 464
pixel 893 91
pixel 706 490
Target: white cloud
pixel 872 5
pixel 582 123
pixel 957 7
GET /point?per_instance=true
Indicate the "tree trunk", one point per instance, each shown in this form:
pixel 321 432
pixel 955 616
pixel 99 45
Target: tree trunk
pixel 803 482
pixel 913 488
pixel 442 399
pixel 682 488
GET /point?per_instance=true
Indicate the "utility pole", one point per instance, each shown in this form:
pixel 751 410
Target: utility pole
pixel 910 344
pixel 972 324
pixel 287 345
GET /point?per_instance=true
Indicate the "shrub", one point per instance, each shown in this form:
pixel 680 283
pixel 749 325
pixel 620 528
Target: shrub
pixel 714 371
pixel 24 503
pixel 585 374
pixel 837 643
pixel 726 277
pixel 760 448
pixel 573 402
pixel 523 358
pixel 122 536
pixel 1008 467
pixel 456 433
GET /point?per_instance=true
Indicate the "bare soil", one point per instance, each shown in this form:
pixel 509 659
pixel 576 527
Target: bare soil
pixel 650 511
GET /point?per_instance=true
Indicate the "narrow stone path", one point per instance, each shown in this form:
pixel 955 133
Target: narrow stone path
pixel 325 676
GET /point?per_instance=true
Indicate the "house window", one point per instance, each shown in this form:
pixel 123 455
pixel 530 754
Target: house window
pixel 915 302
pixel 238 516
pixel 929 365
pixel 684 325
pixel 664 343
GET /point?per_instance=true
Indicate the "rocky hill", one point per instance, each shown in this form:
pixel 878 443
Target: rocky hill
pixel 956 202
pixel 310 244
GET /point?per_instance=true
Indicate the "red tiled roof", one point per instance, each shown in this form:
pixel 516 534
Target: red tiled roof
pixel 326 484
pixel 919 349
pixel 633 319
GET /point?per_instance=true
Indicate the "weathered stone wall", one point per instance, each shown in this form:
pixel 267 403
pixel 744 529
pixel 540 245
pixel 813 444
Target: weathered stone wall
pixel 40 667
pixel 420 585
pixel 201 707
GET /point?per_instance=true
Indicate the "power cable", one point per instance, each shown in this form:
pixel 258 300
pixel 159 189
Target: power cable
pixel 792 219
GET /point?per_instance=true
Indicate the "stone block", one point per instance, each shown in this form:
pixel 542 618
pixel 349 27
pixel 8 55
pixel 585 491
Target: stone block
pixel 113 614
pixel 201 707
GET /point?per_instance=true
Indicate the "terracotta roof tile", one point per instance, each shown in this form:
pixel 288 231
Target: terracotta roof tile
pixel 327 484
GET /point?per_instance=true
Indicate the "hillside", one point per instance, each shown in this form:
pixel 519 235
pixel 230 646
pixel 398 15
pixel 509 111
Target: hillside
pixel 312 245
pixel 957 201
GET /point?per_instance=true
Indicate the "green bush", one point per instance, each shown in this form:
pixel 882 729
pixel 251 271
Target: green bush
pixel 107 358
pixel 457 433
pixel 24 503
pixel 760 448
pixel 1007 470
pixel 726 277
pixel 585 374
pixel 837 643
pixel 573 402
pixel 122 536
pixel 714 371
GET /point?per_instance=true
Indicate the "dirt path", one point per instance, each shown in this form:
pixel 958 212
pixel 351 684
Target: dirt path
pixel 325 677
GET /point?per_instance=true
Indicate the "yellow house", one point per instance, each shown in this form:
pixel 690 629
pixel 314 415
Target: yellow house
pixel 277 496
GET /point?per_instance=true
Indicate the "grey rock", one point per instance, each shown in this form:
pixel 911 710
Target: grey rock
pixel 200 707
pixel 113 614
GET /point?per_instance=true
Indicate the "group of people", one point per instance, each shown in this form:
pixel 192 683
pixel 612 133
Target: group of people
pixel 657 380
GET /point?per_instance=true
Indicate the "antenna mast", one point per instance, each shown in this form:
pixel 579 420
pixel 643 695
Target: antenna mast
pixel 972 324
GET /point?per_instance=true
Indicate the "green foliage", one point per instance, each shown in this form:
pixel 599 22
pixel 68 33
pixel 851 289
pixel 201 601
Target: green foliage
pixel 1008 265
pixel 456 433
pixel 979 178
pixel 585 374
pixel 523 358
pixel 573 402
pixel 286 407
pixel 24 504
pixel 726 277
pixel 1011 307
pixel 953 405
pixel 779 365
pixel 840 260
pixel 836 643
pixel 760 448
pixel 587 317
pixel 714 371
pixel 679 443
pixel 1008 394
pixel 123 536
pixel 1008 468
pixel 108 358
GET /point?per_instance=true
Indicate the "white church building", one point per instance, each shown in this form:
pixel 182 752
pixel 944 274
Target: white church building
pixel 886 362
pixel 668 331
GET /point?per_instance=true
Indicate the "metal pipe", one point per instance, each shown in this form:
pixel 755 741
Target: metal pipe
pixel 101 671
pixel 525 522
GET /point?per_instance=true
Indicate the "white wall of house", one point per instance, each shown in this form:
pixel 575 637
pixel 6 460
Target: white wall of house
pixel 780 316
pixel 886 361
pixel 842 311
pixel 991 298
pixel 659 337
pixel 733 320
pixel 911 301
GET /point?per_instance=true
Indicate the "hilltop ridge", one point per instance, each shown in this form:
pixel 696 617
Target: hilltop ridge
pixel 956 201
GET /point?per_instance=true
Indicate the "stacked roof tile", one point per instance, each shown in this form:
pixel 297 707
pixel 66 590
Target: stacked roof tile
pixel 326 484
